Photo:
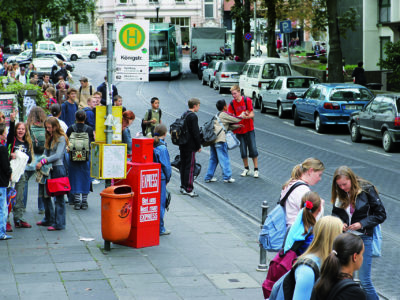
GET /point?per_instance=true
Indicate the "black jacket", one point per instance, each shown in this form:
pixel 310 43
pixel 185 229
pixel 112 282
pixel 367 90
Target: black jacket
pixel 102 88
pixel 5 169
pixel 358 74
pixel 194 143
pixel 369 211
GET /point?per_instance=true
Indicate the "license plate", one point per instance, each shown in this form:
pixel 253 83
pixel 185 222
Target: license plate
pixel 234 76
pixel 352 107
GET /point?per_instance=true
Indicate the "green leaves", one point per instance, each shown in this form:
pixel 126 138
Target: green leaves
pixel 392 61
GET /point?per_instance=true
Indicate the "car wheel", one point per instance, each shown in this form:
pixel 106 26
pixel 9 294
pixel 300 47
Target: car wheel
pixel 263 108
pixel 281 113
pixel 219 89
pixel 211 84
pixel 355 133
pixel 255 101
pixel 74 57
pixel 200 74
pixel 318 126
pixel 203 82
pixel 92 55
pixel 387 142
pixel 296 119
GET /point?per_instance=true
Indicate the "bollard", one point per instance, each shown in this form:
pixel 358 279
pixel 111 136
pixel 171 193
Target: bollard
pixel 262 266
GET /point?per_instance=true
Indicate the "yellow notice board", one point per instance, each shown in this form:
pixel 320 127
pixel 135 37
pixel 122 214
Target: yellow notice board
pixel 108 161
pixel 116 122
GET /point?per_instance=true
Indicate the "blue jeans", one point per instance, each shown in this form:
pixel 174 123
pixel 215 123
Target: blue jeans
pixel 365 270
pixel 248 140
pixel 163 199
pixel 28 175
pixel 219 154
pixel 3 211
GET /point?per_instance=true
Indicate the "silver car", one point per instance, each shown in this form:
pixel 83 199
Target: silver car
pixel 228 74
pixel 282 91
pixel 209 73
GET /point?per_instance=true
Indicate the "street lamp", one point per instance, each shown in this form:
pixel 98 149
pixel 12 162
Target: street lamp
pixel 157 10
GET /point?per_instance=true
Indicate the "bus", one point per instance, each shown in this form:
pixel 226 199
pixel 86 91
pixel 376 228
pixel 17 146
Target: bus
pixel 165 55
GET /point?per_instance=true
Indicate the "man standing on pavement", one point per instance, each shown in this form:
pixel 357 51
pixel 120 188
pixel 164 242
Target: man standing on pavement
pixel 243 108
pixel 102 88
pixel 188 150
pixel 85 91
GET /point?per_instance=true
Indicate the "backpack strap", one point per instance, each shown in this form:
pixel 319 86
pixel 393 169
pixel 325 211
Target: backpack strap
pixel 233 107
pixel 149 114
pixel 283 200
pixel 340 286
pixel 74 127
pixel 160 113
pixel 91 90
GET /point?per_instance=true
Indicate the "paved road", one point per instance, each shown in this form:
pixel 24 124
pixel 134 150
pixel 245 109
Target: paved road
pixel 281 146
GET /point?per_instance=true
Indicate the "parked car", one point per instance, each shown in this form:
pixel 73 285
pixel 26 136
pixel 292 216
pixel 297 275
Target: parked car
pixel 25 58
pixel 227 74
pixel 13 49
pixel 379 119
pixel 330 104
pixel 70 53
pixel 43 65
pixel 259 72
pixel 209 73
pixel 282 91
pixel 205 60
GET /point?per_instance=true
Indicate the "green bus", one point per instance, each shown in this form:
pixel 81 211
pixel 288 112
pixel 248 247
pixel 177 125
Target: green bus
pixel 165 55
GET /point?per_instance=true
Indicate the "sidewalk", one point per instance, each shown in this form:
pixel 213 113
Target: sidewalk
pixel 207 256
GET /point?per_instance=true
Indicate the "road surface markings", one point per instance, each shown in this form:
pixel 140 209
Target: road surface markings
pixel 374 151
pixel 288 123
pixel 269 116
pixel 344 142
pixel 312 131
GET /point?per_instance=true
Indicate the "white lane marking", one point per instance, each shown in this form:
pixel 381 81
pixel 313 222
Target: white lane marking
pixel 344 142
pixel 374 151
pixel 288 123
pixel 269 116
pixel 313 131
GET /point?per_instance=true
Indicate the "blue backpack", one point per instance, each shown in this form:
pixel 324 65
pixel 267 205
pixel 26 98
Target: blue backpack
pixel 273 231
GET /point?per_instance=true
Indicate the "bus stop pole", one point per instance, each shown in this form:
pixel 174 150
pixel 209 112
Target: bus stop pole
pixel 108 131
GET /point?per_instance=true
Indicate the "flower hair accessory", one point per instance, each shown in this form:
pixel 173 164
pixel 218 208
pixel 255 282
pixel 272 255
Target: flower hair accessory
pixel 309 205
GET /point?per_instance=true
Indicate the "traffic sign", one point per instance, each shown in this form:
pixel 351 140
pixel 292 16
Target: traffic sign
pixel 248 36
pixel 132 36
pixel 285 26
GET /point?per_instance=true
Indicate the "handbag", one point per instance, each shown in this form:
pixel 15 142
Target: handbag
pixel 57 186
pixel 377 241
pixel 231 140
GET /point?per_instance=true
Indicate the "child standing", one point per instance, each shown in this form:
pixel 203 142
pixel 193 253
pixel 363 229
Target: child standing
pixel 50 95
pixel 161 156
pixel 5 176
pixel 69 108
pixel 152 117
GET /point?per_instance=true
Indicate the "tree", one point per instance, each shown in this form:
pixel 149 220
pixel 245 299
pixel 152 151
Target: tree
pixel 335 52
pixel 271 16
pixel 246 27
pixel 392 62
pixel 237 15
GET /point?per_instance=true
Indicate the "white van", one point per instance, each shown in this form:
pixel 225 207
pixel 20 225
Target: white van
pixel 87 44
pixel 258 73
pixel 52 46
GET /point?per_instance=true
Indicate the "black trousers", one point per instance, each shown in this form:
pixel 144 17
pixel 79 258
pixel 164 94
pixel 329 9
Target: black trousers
pixel 188 162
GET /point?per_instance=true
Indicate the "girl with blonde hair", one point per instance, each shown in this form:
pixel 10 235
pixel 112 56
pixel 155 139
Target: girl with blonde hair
pixel 308 173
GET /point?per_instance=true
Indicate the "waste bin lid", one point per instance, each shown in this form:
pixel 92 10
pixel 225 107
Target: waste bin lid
pixel 118 191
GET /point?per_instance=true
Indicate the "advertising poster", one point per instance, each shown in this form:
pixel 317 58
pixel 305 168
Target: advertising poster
pixel 7 105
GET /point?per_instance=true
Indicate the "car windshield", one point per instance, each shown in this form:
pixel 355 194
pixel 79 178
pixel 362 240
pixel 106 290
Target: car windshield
pixel 159 46
pixel 301 83
pixel 235 67
pixel 271 71
pixel 25 53
pixel 350 94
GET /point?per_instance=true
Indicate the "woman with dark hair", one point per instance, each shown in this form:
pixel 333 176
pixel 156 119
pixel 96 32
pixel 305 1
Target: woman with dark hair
pixel 127 119
pixel 356 202
pixel 336 280
pixel 56 141
pixel 161 156
pixel 55 111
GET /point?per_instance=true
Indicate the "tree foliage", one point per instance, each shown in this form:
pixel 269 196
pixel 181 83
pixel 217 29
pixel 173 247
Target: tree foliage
pixel 237 12
pixel 392 61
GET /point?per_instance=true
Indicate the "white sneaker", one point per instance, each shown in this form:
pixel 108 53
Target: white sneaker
pixel 245 173
pixel 214 179
pixel 191 194
pixel 230 180
pixel 255 174
pixel 182 190
pixel 95 181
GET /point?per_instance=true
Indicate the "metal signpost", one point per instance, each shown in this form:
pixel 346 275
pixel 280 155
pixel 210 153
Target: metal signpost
pixel 132 50
pixel 286 27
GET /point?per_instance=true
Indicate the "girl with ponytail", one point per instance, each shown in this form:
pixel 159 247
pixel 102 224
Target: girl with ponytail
pixel 336 280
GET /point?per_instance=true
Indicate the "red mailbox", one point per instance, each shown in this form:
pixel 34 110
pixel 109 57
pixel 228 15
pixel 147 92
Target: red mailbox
pixel 142 150
pixel 144 179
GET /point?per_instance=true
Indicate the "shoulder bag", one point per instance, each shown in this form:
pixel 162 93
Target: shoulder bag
pixel 231 139
pixel 57 186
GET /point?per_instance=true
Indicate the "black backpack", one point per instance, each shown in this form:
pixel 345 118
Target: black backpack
pixel 179 130
pixel 207 133
pixel 144 126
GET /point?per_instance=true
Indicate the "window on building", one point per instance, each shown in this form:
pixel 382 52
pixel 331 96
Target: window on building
pixel 384 11
pixel 154 20
pixel 209 8
pixel 153 1
pixel 384 40
pixel 184 23
pixel 123 1
pixel 180 1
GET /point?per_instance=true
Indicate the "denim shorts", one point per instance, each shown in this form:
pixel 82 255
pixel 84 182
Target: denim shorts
pixel 248 140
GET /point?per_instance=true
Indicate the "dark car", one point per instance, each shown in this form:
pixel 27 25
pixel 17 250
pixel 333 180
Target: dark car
pixel 379 119
pixel 25 58
pixel 330 104
pixel 205 60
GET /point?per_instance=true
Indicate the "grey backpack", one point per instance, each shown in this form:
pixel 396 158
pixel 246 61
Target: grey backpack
pixel 79 147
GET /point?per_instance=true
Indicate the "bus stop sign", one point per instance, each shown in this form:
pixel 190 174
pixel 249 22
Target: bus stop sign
pixel 285 26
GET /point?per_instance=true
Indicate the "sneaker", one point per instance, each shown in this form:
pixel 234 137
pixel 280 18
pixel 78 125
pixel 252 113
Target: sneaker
pixel 191 194
pixel 8 237
pixel 95 181
pixel 255 174
pixel 9 227
pixel 84 206
pixel 22 224
pixel 77 206
pixel 230 180
pixel 166 232
pixel 214 179
pixel 182 190
pixel 245 172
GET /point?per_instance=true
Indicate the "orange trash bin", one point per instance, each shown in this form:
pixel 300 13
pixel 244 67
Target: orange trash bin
pixel 116 212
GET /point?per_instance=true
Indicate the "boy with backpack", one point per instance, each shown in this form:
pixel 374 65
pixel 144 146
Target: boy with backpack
pixel 152 118
pixel 69 107
pixel 80 136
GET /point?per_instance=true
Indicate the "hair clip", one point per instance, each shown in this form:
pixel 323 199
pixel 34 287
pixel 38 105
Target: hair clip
pixel 309 205
pixel 334 252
